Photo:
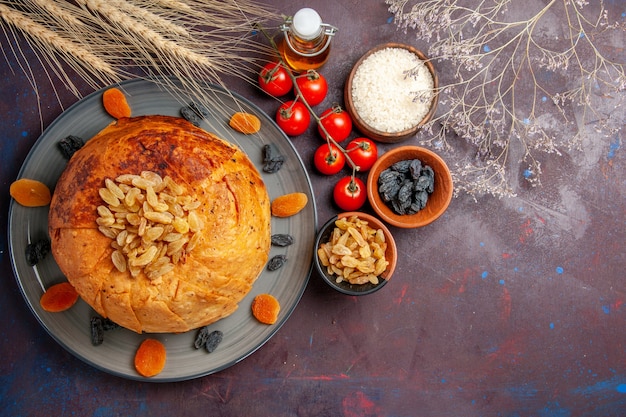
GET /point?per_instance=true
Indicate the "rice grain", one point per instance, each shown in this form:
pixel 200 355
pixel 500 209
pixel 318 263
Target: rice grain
pixel 392 90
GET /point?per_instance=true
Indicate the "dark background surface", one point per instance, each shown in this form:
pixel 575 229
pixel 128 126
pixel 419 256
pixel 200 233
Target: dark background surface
pixel 502 307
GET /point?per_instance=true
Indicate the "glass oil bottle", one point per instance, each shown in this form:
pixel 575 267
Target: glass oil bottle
pixel 306 40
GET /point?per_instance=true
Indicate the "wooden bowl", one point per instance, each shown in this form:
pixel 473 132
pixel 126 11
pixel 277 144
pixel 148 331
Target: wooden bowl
pixel 379 135
pixel 345 287
pixel 437 202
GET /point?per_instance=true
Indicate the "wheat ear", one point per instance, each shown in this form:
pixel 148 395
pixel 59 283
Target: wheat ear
pixel 53 9
pixel 150 18
pixel 48 37
pixel 167 4
pixel 151 36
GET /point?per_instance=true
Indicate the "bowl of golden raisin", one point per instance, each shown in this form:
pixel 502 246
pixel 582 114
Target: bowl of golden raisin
pixel 355 253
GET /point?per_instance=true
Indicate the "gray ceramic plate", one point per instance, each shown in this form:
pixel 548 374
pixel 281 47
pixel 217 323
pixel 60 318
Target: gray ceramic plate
pixel 242 333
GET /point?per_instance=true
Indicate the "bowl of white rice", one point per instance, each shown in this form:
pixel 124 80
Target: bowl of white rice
pixel 391 92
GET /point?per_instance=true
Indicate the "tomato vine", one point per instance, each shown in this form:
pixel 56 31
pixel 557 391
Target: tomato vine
pixel 323 130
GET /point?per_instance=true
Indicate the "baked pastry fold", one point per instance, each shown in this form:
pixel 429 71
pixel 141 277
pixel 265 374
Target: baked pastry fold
pixel 211 279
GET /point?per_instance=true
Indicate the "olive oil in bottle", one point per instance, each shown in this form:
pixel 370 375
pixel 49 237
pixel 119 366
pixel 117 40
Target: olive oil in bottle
pixel 306 40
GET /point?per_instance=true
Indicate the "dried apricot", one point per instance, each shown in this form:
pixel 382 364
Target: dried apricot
pixel 245 123
pixel 58 297
pixel 289 204
pixel 30 193
pixel 115 103
pixel 150 357
pixel 265 308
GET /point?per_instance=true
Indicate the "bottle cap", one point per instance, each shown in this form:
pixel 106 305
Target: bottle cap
pixel 307 24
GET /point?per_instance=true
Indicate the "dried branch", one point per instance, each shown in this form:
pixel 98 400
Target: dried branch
pixel 497 81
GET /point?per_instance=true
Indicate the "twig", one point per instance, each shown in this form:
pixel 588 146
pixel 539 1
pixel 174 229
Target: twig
pixel 491 58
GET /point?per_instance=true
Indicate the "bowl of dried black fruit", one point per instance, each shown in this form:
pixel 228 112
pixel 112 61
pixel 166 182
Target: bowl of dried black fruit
pixel 409 187
pixel 355 253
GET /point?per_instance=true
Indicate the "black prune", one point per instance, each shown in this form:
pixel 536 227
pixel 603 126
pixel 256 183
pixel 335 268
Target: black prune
pixel 415 168
pixel 413 209
pixel 420 199
pixel 190 115
pixel 36 251
pixel 405 186
pixel 430 174
pixel 201 337
pixel 397 207
pixel 385 187
pixel 213 340
pixel 389 191
pixel 276 262
pixel 389 184
pixel 99 325
pixel 272 159
pixel 69 145
pixel 199 109
pixel 422 183
pixel 274 165
pixel 402 166
pixel 405 193
pixel 108 324
pixel 269 150
pixel 208 339
pixel 282 239
pixel 389 175
pixel 97 331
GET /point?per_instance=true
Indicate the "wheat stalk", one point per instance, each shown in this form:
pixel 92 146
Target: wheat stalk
pixel 141 34
pixel 147 16
pixel 197 42
pixel 57 10
pixel 165 4
pixel 48 37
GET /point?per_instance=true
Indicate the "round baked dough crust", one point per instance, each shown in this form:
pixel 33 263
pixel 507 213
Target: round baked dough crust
pixel 216 274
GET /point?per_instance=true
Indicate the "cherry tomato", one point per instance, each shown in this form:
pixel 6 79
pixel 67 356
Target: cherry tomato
pixel 328 159
pixel 293 118
pixel 337 123
pixel 275 80
pixel 313 87
pixel 349 193
pixel 363 152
